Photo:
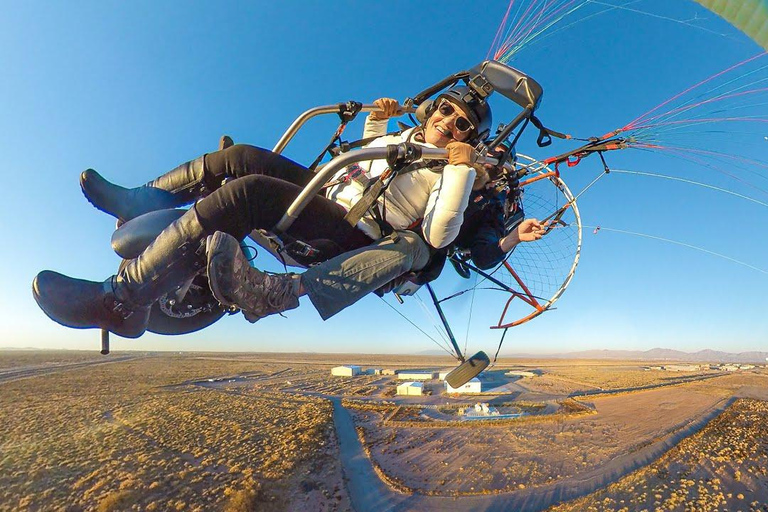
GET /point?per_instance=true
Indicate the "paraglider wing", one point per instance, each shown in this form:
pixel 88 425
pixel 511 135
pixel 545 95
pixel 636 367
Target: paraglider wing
pixel 749 16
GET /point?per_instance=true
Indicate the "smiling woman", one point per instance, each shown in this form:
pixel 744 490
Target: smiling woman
pixel 459 116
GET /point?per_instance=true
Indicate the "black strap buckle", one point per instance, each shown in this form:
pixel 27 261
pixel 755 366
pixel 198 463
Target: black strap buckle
pixel 400 155
pixel 349 110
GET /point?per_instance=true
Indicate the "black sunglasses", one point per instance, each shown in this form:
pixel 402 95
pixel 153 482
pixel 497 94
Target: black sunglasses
pixel 447 109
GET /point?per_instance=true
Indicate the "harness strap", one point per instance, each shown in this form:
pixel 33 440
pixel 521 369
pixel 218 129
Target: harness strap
pixel 369 197
pixel 376 188
pixel 347 112
pixel 545 134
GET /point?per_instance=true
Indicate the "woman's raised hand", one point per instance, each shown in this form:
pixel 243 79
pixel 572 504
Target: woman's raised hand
pixel 460 153
pixel 389 108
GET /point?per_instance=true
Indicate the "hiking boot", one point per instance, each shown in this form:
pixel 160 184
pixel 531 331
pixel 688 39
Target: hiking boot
pixel 234 282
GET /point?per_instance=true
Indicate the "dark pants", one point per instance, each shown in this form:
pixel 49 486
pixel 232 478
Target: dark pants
pixel 243 160
pixel 264 186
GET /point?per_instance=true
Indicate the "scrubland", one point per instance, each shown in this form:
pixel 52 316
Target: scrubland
pixel 494 458
pixel 722 467
pixel 361 385
pixel 581 378
pixel 128 436
pixel 25 358
pixel 161 432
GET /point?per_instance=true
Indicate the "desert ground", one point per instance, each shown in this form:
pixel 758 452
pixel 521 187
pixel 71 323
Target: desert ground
pixel 204 431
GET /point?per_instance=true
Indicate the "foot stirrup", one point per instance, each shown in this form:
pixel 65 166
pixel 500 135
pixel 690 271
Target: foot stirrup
pixel 468 370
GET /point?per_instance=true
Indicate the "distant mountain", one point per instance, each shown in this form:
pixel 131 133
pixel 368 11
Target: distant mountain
pixel 658 354
pixel 432 352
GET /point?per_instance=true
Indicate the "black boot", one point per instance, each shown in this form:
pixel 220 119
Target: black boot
pixel 121 304
pixel 178 187
pixel 85 304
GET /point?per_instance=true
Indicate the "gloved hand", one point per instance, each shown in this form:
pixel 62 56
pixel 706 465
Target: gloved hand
pixel 389 108
pixel 460 153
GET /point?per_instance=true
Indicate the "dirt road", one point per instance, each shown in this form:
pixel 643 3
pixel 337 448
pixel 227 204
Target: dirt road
pixel 24 372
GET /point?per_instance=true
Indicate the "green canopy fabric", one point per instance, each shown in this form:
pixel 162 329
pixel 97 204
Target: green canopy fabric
pixel 750 16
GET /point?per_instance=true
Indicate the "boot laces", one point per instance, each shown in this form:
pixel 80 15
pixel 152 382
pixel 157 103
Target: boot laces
pixel 253 278
pixel 279 291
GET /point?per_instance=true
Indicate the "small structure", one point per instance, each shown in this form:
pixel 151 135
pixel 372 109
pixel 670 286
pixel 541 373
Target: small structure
pixel 681 368
pixel 443 374
pixel 388 371
pixel 410 388
pixel 346 371
pixel 473 386
pixel 480 410
pixel 415 375
pixel 519 373
pixel 736 367
pixel 483 411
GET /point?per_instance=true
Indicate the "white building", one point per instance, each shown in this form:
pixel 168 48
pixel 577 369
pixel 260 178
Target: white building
pixel 410 388
pixel 415 375
pixel 346 371
pixel 681 368
pixel 443 374
pixel 520 373
pixel 473 386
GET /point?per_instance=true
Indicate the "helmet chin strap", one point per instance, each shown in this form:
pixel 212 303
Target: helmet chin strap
pixel 418 134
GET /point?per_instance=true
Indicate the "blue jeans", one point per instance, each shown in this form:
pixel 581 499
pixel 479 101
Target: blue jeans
pixel 341 281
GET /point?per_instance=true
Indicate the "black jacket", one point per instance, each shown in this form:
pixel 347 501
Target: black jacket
pixel 483 227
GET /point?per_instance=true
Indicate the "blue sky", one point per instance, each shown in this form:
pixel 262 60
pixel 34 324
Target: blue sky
pixel 133 89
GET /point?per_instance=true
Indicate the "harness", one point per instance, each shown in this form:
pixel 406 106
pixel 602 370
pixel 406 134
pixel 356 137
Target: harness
pixel 347 112
pixel 402 159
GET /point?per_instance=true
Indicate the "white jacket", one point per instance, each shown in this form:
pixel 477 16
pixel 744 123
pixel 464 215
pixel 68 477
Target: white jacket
pixel 439 197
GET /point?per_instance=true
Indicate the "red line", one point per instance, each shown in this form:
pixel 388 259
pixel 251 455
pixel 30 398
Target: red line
pixel 514 30
pixel 710 100
pixel 546 17
pixel 702 121
pixel 632 123
pixel 682 153
pixel 497 37
pixel 542 176
pixel 533 301
pixel 706 152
